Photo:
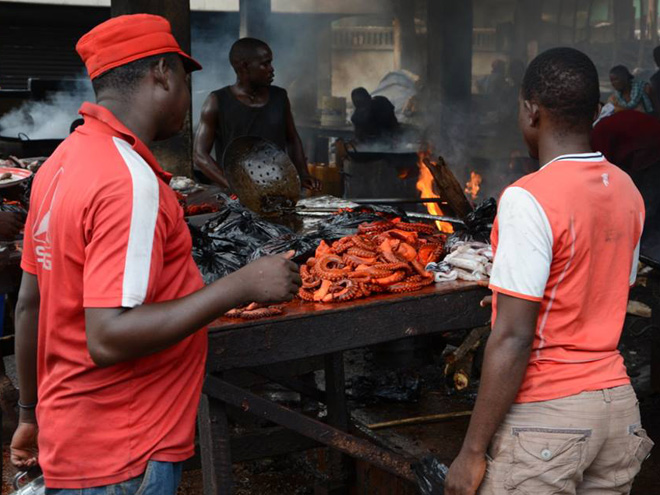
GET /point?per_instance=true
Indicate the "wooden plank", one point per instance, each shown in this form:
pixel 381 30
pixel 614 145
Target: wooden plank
pixel 332 437
pixel 338 416
pixel 214 445
pixel 305 332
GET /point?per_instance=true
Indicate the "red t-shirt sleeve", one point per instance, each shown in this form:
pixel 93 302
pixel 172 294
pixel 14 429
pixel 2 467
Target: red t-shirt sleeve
pixel 124 232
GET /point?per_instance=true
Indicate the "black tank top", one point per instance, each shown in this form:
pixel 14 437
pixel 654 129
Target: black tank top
pixel 236 119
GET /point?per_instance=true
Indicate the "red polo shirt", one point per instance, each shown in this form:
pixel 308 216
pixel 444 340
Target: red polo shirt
pixel 106 231
pixel 568 237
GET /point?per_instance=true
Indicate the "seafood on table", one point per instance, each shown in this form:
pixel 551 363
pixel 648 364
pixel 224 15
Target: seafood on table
pixel 383 256
pixel 255 311
pixel 469 261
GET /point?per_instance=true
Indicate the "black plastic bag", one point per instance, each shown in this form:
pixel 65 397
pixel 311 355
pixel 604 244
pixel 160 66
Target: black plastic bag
pixel 478 224
pixel 431 475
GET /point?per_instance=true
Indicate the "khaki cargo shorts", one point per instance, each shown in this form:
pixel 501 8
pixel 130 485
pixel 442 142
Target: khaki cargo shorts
pixel 588 444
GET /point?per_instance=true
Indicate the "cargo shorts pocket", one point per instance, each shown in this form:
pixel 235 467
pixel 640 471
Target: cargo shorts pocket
pixel 545 460
pixel 638 450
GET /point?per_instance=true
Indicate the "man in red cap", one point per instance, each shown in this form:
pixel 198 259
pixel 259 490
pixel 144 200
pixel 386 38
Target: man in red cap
pixel 110 340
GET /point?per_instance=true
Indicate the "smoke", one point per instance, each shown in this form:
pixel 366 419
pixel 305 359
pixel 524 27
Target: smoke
pixel 212 51
pixel 49 118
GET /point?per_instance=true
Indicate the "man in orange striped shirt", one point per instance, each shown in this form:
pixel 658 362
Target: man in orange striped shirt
pixel 556 413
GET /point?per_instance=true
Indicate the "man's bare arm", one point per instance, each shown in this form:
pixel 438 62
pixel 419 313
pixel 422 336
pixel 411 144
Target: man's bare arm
pixel 297 153
pixel 204 139
pixel 24 450
pixel 27 330
pixel 505 362
pixel 115 335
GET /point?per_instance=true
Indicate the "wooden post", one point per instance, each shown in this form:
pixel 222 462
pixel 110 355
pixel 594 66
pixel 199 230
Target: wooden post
pixel 175 154
pixel 255 18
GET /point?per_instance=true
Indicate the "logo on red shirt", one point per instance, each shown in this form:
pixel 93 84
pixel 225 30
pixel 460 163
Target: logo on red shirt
pixel 40 230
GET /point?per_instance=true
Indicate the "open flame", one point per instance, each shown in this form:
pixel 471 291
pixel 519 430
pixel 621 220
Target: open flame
pixel 473 186
pixel 427 191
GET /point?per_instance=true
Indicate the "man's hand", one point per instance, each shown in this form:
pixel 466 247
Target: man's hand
pixel 10 225
pixel 24 449
pixel 272 278
pixel 486 302
pixel 465 474
pixel 310 182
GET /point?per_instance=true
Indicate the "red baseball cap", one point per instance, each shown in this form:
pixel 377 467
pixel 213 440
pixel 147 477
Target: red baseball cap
pixel 127 38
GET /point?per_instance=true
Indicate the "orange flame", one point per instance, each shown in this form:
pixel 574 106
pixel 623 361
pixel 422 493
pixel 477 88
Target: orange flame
pixel 427 191
pixel 473 186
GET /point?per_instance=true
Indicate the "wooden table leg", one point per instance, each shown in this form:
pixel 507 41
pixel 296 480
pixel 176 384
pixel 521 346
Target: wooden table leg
pixel 338 416
pixel 215 447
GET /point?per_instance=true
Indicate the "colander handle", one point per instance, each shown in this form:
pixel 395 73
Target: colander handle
pixel 19 479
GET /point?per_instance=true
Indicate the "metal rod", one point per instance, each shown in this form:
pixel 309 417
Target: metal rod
pixel 396 201
pixel 324 212
pixel 419 420
pixel 311 428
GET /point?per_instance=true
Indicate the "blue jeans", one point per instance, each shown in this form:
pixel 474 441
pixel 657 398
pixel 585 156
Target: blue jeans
pixel 160 478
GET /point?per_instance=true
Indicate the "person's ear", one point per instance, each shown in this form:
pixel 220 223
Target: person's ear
pixel 532 113
pixel 161 73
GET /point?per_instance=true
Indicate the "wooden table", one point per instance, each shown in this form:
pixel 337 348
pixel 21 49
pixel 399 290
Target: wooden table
pixel 308 330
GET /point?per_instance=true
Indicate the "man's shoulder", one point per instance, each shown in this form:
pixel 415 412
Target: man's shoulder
pixel 276 90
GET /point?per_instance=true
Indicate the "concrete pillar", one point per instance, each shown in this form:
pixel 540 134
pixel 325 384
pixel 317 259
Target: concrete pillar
pixel 449 42
pixel 528 25
pixel 409 49
pixel 255 18
pixel 175 154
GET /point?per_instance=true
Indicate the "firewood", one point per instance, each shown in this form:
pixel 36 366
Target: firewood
pixel 450 188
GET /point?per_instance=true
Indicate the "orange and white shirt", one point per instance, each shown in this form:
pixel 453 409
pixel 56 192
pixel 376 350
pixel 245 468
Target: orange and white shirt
pixel 106 231
pixel 568 237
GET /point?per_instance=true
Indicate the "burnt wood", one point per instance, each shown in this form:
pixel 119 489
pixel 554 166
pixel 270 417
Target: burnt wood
pixel 319 329
pixel 450 189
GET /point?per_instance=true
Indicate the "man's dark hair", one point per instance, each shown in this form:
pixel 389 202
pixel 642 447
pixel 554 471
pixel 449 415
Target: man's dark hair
pixel 622 72
pixel 565 82
pixel 125 78
pixel 245 49
pixel 656 55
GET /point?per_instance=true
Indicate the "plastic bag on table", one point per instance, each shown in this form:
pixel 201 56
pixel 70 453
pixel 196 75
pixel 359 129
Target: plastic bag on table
pixel 478 224
pixel 431 475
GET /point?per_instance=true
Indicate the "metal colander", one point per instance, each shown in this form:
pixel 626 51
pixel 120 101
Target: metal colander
pixel 261 175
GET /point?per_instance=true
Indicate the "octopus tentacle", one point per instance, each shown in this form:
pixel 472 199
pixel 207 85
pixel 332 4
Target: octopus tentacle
pixel 346 290
pixel 392 279
pixel 266 312
pixel 421 228
pixel 355 261
pixel 364 243
pixel 305 295
pixel 361 253
pixel 325 271
pixel 323 291
pixel 404 287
